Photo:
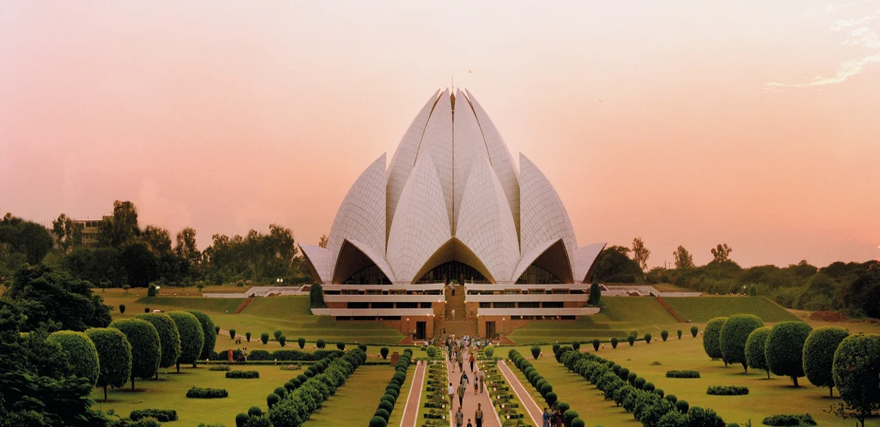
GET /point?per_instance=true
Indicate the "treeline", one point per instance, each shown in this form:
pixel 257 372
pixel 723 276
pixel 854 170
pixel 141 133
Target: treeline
pixel 852 288
pixel 128 255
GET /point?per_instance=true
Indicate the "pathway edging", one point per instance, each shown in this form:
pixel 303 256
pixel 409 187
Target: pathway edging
pixel 515 384
pixel 418 376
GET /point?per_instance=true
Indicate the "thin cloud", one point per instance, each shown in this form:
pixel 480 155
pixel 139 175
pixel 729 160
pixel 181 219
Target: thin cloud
pixel 860 36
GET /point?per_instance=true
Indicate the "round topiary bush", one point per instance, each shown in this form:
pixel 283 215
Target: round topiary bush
pixel 755 356
pixel 146 309
pixel 232 333
pixel 114 357
pixel 490 351
pixel 320 343
pixel 712 338
pixel 550 398
pixel 536 351
pixel 169 337
pixel 80 352
pixel 378 421
pixel 209 330
pixel 569 415
pixel 121 308
pixel 648 338
pixel 855 369
pixel 282 340
pixel 664 335
pixel 192 338
pixel 301 342
pixel 264 337
pixel 784 349
pixel 272 399
pixel 614 342
pixel 241 419
pixel 247 336
pixel 340 345
pixel 577 422
pixel 145 347
pixel 280 391
pixel 819 352
pixel 382 413
pixel 679 334
pixel 682 406
pixel 596 345
pixel 432 351
pixel 734 334
pixel 639 383
pixel 255 411
pixel 648 386
pixel 384 352
pixel 576 345
pixel 386 405
pixel 546 388
pixel 631 340
pixel 694 331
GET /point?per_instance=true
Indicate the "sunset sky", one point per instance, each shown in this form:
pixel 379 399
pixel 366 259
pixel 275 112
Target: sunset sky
pixel 755 124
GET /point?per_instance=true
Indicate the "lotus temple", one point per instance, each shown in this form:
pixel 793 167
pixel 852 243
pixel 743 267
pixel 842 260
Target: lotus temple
pixel 452 233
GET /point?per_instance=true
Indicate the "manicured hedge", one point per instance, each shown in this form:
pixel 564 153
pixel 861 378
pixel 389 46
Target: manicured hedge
pixel 209 331
pixel 855 369
pixel 206 393
pixel 683 374
pixel 163 415
pixel 727 390
pixel 81 353
pixel 243 374
pixel 755 355
pixel 819 352
pixel 114 357
pixel 734 334
pixel 290 355
pixel 145 348
pixel 789 420
pixel 169 337
pixel 784 349
pixel 712 338
pixel 192 337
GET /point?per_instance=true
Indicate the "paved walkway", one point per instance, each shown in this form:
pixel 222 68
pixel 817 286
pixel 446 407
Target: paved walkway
pixel 522 394
pixel 490 417
pixel 411 410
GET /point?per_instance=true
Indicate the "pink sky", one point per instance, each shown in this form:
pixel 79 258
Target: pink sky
pixel 686 123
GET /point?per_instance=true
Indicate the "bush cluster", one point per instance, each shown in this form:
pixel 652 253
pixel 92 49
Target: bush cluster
pixel 637 396
pixel 294 403
pixel 392 391
pixel 544 387
pixel 206 393
pixel 243 374
pixel 292 355
pixel 683 374
pixel 789 420
pixel 727 390
pixel 163 415
pixel 220 367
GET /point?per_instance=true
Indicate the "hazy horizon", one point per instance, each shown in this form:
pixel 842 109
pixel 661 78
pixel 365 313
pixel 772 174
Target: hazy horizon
pixel 684 123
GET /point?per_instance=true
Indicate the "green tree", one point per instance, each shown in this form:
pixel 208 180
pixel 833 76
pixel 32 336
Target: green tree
pixel 49 296
pixel 192 338
pixel 863 293
pixel 855 368
pixel 187 248
pixel 640 253
pixel 120 229
pixel 68 234
pixel 712 338
pixel 146 350
pixel 784 349
pixel 114 356
pixel 734 334
pixel 613 265
pixel 140 264
pixel 721 253
pixel 80 352
pixel 25 237
pixel 316 296
pixel 818 356
pixel 595 294
pixel 158 240
pixel 322 242
pixel 683 259
pixel 208 331
pixel 755 356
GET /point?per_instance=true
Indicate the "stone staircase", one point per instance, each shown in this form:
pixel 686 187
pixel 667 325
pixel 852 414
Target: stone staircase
pixel 455 304
pixel 460 328
pixel 456 324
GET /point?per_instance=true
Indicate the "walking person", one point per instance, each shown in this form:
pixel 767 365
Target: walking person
pixel 471 360
pixel 482 380
pixel 462 388
pixel 459 417
pixel 460 359
pixel 476 382
pixel 478 415
pixel 451 392
pixel 545 418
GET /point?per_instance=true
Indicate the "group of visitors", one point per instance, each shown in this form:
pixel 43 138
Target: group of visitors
pixel 459 350
pixel 552 418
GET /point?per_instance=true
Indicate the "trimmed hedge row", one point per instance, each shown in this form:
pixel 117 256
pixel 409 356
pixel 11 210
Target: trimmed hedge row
pixel 683 374
pixel 789 420
pixel 293 404
pixel 163 415
pixel 290 355
pixel 206 393
pixel 650 406
pixel 243 374
pixel 570 416
pixel 392 391
pixel 727 390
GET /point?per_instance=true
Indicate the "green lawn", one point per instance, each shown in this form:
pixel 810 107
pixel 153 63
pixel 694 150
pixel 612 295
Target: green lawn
pixel 400 404
pixel 766 397
pixel 170 393
pixel 355 402
pixel 703 309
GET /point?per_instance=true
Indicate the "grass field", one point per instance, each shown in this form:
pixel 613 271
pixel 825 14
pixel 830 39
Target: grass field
pixel 703 309
pixel 355 402
pixel 397 414
pixel 766 397
pixel 170 393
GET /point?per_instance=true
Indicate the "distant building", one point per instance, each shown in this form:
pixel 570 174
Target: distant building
pixel 91 230
pixel 453 208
